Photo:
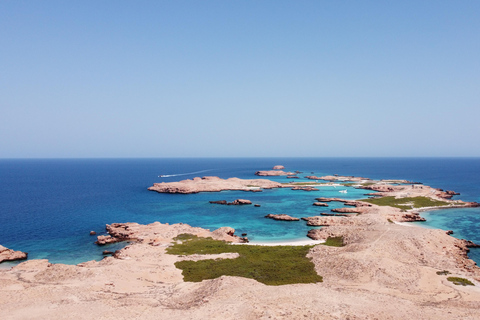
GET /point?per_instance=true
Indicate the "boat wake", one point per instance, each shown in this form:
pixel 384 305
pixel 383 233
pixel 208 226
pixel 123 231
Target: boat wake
pixel 182 174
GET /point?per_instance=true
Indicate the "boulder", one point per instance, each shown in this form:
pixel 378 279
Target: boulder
pixel 224 231
pixel 92 233
pixel 278 167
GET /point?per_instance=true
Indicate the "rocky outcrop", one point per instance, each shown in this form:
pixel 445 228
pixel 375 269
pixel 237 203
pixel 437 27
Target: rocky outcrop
pixel 305 188
pixel 412 216
pixel 234 203
pixel 274 173
pixel 11 255
pixel 320 204
pixel 282 217
pixel 313 178
pixel 117 232
pixel 219 202
pixel 292 177
pixel 348 210
pixel 278 167
pixel 214 184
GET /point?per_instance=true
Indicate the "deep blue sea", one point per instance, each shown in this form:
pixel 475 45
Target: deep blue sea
pixel 49 206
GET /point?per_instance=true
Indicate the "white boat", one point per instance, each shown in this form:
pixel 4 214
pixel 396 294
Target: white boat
pixel 343 191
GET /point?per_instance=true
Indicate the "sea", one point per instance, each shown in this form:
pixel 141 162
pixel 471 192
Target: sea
pixel 49 206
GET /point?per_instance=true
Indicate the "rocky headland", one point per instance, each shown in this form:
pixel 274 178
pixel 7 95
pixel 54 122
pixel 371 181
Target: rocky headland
pixel 11 255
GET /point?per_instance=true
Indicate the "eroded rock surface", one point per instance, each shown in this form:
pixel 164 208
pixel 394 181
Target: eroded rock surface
pixel 11 255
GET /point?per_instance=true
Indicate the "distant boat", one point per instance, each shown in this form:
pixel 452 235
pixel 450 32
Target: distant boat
pixel 343 191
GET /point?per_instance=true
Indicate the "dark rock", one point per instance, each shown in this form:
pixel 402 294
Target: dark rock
pixel 105 252
pixel 244 234
pixel 219 202
pixel 233 203
pixel 256 205
pixel 292 177
pixel 449 232
pixel 92 233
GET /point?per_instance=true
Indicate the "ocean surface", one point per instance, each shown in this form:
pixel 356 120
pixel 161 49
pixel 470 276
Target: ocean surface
pixel 49 206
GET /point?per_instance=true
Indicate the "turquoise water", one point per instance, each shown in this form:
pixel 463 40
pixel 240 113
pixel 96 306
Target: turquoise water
pixel 48 207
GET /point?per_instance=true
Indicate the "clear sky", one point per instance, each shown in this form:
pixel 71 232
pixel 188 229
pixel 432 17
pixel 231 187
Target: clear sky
pixel 239 78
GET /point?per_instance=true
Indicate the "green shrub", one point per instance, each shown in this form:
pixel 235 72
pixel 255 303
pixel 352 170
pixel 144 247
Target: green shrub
pixel 460 281
pixel 271 265
pixel 334 242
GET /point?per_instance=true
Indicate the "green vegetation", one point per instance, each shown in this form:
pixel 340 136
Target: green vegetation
pixel 334 242
pixel 252 186
pixel 460 281
pixel 368 184
pixel 443 273
pixel 402 203
pixel 271 265
pixel 390 220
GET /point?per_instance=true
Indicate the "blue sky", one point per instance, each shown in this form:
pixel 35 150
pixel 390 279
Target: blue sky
pixel 239 78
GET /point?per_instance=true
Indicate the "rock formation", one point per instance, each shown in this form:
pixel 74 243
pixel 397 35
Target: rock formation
pixel 214 184
pixel 283 217
pixel 274 173
pixel 279 167
pixel 320 204
pixel 235 202
pixel 11 255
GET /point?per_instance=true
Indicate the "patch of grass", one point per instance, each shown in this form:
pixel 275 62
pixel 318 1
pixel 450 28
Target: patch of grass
pixel 390 220
pixel 368 184
pixel 252 186
pixel 271 265
pixel 348 184
pixel 416 202
pixel 334 242
pixel 460 281
pixel 443 273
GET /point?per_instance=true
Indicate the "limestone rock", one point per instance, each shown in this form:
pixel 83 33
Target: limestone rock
pixel 10 255
pixel 283 217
